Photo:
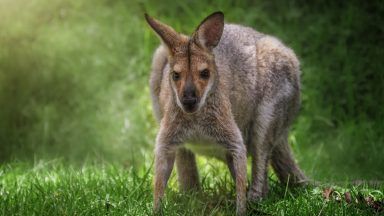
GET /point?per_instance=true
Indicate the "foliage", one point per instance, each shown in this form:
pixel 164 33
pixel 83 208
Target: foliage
pixel 74 78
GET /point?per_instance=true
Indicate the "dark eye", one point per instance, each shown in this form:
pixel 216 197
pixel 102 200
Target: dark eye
pixel 204 74
pixel 175 75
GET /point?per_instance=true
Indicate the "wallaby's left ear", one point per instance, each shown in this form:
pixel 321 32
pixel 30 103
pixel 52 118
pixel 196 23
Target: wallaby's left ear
pixel 167 34
pixel 209 32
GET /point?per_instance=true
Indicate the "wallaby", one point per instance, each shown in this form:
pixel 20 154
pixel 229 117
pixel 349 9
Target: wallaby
pixel 227 91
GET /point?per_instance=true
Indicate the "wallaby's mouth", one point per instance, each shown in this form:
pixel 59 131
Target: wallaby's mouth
pixel 190 104
pixel 190 109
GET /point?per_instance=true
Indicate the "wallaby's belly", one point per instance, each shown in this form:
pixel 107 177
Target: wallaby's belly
pixel 206 147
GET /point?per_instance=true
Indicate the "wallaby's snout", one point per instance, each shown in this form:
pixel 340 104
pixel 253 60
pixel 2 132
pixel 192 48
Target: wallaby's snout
pixel 189 99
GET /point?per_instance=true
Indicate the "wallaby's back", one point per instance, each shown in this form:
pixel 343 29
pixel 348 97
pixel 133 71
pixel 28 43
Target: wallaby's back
pixel 252 67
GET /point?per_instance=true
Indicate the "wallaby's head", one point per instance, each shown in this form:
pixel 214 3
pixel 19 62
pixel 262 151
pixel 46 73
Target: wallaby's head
pixel 192 64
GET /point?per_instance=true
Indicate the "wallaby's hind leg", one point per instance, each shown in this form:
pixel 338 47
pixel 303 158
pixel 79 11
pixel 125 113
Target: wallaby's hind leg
pixel 260 151
pixel 284 164
pixel 259 185
pixel 188 176
pixel 231 166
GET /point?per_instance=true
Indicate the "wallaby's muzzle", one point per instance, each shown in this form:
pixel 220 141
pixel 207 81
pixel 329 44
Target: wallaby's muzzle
pixel 189 103
pixel 189 99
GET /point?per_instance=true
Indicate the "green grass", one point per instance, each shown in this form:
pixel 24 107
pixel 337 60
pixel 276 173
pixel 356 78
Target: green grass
pixel 53 189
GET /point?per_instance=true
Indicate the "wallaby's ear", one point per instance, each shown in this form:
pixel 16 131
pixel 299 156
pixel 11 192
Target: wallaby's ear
pixel 209 32
pixel 169 36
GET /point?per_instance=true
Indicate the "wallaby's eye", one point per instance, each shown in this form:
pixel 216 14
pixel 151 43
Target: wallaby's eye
pixel 175 75
pixel 204 74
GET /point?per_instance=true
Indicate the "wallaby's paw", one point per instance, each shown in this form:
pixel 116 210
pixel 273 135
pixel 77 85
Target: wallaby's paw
pixel 241 210
pixel 255 196
pixel 193 188
pixel 300 181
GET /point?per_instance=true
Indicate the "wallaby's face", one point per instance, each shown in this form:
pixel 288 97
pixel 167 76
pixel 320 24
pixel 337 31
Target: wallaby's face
pixel 191 61
pixel 192 74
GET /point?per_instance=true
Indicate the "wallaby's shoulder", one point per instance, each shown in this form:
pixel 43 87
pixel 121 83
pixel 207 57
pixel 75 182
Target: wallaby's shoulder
pixel 240 34
pixel 237 41
pixel 269 49
pixel 261 62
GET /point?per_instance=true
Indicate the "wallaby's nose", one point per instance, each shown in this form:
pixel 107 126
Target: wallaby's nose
pixel 189 97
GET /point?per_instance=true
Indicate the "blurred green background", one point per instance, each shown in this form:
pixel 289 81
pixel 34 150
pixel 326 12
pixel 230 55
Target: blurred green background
pixel 74 78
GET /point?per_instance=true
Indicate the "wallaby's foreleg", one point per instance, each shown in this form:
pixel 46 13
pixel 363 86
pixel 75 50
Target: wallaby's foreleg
pixel 239 175
pixel 232 140
pixel 239 155
pixel 187 173
pixel 284 164
pixel 164 159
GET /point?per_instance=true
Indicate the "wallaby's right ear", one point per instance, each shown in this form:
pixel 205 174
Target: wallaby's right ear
pixel 209 32
pixel 169 36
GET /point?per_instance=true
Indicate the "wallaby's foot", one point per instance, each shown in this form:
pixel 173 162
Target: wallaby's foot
pixel 258 190
pixel 285 166
pixel 301 182
pixel 242 211
pixel 256 196
pixel 297 179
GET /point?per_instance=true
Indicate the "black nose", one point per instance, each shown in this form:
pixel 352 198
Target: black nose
pixel 189 99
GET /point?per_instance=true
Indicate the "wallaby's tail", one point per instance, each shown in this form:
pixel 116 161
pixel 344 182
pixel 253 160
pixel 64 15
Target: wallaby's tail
pixel 159 61
pixel 285 166
pixel 370 183
pixel 289 172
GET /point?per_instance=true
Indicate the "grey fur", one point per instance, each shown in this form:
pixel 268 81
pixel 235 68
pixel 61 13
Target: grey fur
pixel 252 102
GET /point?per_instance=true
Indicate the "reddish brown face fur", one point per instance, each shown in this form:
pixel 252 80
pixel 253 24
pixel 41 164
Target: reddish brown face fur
pixel 191 61
pixel 192 74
